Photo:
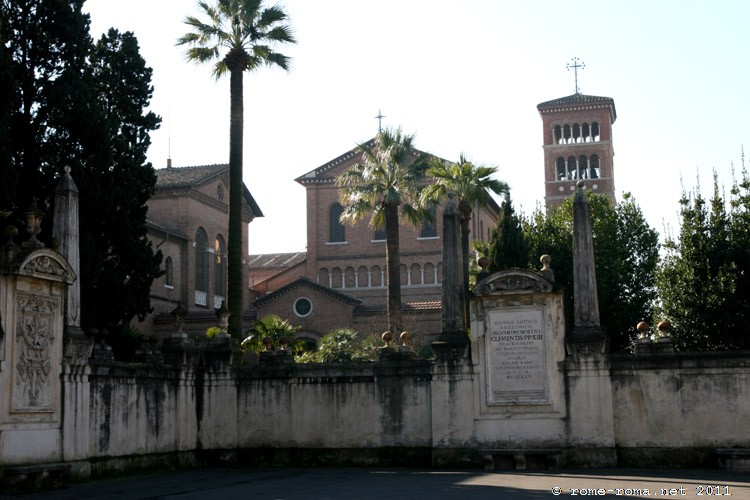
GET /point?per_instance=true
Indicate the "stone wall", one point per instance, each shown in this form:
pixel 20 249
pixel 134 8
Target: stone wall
pixel 677 408
pixel 665 410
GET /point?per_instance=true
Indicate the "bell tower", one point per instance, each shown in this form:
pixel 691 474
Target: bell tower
pixel 577 132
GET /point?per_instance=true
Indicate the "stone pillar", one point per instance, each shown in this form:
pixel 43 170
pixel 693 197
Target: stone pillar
pixel 76 346
pixel 452 342
pixel 587 337
pixel 590 427
pixel 32 290
pixel 65 229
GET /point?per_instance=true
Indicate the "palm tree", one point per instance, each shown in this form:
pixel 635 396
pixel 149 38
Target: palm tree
pixel 273 327
pixel 239 36
pixel 383 184
pixel 471 186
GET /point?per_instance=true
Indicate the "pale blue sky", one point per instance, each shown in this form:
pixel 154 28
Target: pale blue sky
pixel 465 77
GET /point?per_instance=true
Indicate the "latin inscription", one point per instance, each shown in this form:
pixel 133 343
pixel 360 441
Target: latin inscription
pixel 517 356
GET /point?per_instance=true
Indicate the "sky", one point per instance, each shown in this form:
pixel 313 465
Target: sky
pixel 464 77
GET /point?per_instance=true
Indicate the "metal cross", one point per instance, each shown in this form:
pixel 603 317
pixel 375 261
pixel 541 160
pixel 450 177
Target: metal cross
pixel 575 67
pixel 380 121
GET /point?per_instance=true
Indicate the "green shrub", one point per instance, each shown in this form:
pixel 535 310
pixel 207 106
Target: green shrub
pixel 212 332
pixel 274 327
pixel 343 346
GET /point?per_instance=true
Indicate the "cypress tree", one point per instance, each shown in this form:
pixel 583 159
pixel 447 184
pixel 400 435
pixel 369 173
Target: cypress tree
pixel 508 247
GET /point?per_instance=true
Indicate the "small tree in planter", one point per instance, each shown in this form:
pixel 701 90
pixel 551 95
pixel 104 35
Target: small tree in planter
pixel 271 327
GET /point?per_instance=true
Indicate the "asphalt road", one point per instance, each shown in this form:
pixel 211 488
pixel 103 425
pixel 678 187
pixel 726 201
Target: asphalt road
pixel 381 484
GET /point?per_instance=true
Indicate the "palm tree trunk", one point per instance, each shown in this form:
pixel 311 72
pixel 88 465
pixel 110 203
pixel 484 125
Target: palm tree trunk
pixel 234 245
pixel 393 264
pixel 465 264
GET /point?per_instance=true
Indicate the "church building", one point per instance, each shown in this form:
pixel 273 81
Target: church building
pixel 187 221
pixel 340 281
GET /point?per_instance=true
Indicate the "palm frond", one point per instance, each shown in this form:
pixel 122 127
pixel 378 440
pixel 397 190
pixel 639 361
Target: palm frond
pixel 238 25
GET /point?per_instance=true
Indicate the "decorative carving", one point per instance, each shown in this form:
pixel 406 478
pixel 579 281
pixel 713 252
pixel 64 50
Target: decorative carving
pixel 512 281
pixel 48 264
pixel 584 350
pixel 34 351
pixel 44 265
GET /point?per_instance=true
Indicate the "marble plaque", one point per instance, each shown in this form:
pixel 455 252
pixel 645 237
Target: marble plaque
pixel 517 360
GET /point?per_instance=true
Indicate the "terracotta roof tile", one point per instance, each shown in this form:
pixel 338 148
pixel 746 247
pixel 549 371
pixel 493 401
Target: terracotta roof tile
pixel 173 177
pixel 430 305
pixel 275 260
pixel 188 177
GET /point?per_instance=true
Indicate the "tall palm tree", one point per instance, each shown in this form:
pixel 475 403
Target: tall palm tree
pixel 239 36
pixel 471 186
pixel 385 183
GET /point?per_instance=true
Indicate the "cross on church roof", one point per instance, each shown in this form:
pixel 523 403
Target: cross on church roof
pixel 575 67
pixel 380 120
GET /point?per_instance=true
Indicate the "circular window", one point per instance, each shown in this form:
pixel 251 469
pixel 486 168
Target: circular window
pixel 302 307
pixel 220 192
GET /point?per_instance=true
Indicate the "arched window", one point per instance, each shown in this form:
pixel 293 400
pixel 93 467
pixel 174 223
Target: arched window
pixel 335 227
pixel 168 272
pixel 220 270
pixel 595 131
pixel 572 168
pixel 201 267
pixel 566 133
pixel 558 134
pixel 379 235
pixel 415 274
pixel 595 169
pixel 583 167
pixel 429 274
pixel 560 165
pixel 586 131
pixel 404 275
pixel 376 276
pixel 337 278
pixel 349 277
pixel 576 133
pixel 363 280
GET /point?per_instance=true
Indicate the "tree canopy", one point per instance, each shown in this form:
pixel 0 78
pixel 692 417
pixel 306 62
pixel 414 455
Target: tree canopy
pixel 385 185
pixel 507 247
pixel 626 253
pixel 73 102
pixel 703 278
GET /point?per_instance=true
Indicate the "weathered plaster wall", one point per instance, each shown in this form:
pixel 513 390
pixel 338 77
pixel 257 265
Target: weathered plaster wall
pixel 689 400
pixel 673 403
pixel 335 407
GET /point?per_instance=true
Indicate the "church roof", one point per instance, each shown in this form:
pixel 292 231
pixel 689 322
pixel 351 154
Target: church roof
pixel 427 305
pixel 265 266
pixel 193 176
pixel 318 175
pixel 165 229
pixel 322 174
pixel 306 282
pixel 275 260
pixel 578 100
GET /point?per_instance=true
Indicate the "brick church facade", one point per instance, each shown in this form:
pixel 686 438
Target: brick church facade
pixel 187 221
pixel 340 281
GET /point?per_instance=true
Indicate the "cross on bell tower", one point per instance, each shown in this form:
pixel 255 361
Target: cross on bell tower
pixel 380 121
pixel 575 67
